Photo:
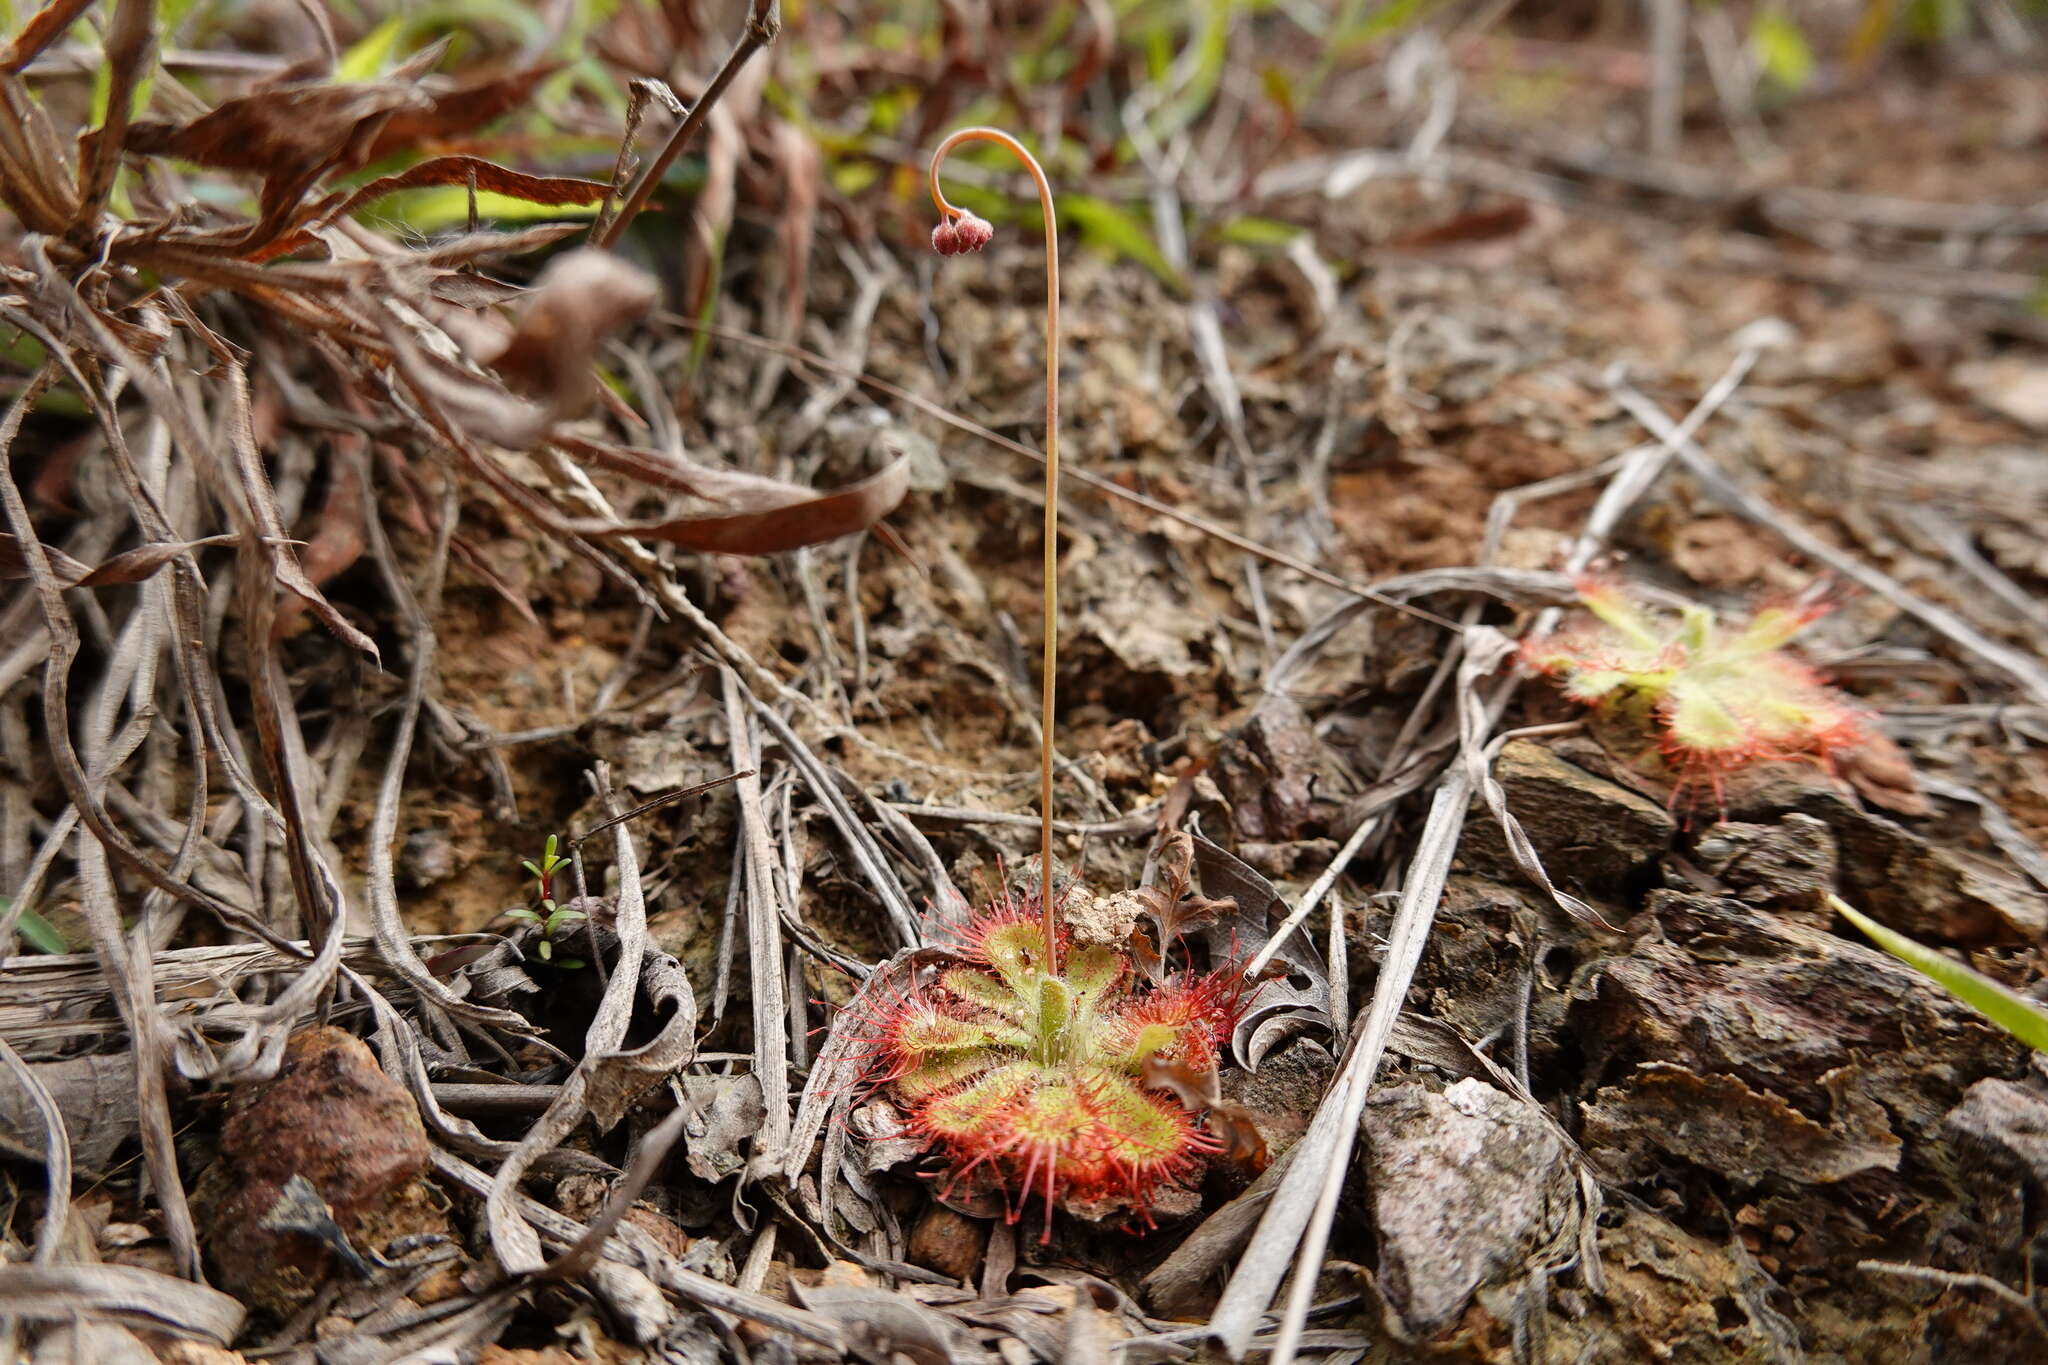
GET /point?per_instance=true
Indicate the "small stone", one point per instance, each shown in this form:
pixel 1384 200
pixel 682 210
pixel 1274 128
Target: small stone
pixel 426 858
pixel 332 1116
pixel 950 1243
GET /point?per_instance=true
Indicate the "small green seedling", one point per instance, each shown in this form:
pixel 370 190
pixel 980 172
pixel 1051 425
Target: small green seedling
pixel 554 920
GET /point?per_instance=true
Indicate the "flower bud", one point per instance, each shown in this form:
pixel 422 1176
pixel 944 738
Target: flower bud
pixel 974 233
pixel 946 239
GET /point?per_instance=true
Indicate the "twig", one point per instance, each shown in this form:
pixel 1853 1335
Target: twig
pixel 56 1155
pixel 665 799
pixel 1949 1279
pixel 1667 75
pixel 764 21
pixel 764 933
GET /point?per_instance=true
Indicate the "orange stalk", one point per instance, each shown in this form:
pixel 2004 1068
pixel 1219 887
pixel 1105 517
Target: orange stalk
pixel 960 230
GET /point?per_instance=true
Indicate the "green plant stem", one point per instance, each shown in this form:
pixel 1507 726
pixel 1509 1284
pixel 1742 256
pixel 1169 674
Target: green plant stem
pixel 1050 668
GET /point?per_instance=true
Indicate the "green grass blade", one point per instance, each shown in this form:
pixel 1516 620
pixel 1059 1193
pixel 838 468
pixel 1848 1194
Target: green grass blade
pixel 36 931
pixel 2020 1017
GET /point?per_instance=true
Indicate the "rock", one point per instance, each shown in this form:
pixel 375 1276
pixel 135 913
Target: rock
pixel 1789 867
pixel 1465 1184
pixel 950 1243
pixel 1719 1123
pixel 1922 889
pixel 1590 833
pixel 2007 1125
pixel 1102 921
pixel 1719 987
pixel 427 857
pixel 332 1116
pixel 1267 770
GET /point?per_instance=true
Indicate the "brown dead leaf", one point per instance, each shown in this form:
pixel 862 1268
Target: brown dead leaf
pixel 291 135
pixel 131 566
pixel 581 298
pixel 1882 775
pixel 1200 1091
pixel 490 177
pixel 797 518
pixel 1479 225
pixel 467 105
pixel 283 132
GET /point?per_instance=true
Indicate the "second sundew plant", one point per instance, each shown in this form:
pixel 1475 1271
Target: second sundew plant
pixel 1042 1068
pixel 1715 697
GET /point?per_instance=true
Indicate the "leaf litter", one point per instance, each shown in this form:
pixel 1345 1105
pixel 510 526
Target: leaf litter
pixel 1301 539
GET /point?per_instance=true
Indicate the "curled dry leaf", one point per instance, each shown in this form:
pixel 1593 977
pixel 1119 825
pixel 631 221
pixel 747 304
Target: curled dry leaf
pixel 793 517
pixel 1199 1088
pixel 130 566
pixel 489 177
pixel 1282 1005
pixel 459 108
pixel 579 300
pixel 291 136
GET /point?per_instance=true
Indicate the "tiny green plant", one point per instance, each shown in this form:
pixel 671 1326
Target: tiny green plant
pixel 1715 698
pixel 554 920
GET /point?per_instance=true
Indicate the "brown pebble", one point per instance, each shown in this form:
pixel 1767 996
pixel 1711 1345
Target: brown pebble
pixel 333 1116
pixel 950 1243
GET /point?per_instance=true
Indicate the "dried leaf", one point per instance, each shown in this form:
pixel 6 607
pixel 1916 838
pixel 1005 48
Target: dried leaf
pixel 1281 1005
pixel 798 518
pixel 618 1079
pixel 289 131
pixel 131 566
pixel 468 105
pixel 14 561
pixel 1200 1090
pixel 491 178
pixel 119 1293
pixel 1480 225
pixel 143 562
pixel 465 290
pixel 882 1326
pixel 579 300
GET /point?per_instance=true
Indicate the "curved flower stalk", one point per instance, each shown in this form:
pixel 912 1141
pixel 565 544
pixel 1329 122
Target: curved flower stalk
pixel 1032 1064
pixel 1715 697
pixel 958 231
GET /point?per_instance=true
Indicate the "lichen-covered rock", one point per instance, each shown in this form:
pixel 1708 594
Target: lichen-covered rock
pixel 1468 1185
pixel 332 1116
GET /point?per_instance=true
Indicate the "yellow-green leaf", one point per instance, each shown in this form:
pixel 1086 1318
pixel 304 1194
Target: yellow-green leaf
pixel 1781 50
